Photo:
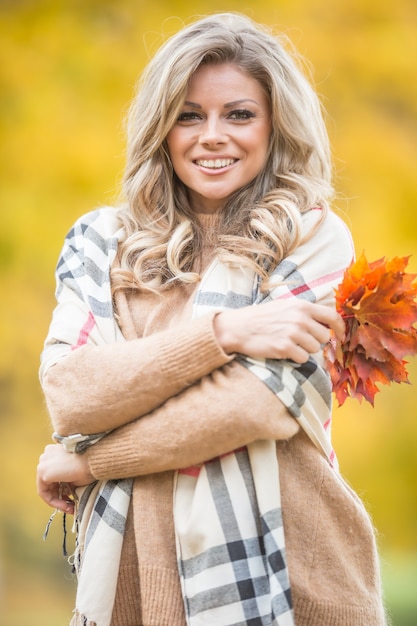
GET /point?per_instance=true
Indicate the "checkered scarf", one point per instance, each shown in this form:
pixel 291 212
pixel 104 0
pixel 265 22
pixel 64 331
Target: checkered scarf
pixel 227 512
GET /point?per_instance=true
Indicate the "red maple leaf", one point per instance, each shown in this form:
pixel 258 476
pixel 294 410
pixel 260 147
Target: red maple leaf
pixel 378 303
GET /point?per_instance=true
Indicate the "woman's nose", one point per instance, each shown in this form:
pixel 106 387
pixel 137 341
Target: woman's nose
pixel 212 132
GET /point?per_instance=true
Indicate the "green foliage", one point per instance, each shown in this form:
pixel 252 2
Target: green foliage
pixel 67 73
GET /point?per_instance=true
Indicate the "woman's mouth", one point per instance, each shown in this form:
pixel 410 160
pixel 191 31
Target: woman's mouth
pixel 215 164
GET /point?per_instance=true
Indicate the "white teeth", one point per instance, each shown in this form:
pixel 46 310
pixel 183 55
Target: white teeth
pixel 215 163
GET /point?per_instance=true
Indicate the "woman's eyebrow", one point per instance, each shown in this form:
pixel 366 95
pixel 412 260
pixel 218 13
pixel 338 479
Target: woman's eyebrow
pixel 194 105
pixel 228 105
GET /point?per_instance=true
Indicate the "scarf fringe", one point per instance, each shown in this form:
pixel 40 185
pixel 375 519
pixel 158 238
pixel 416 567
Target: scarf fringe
pixel 81 620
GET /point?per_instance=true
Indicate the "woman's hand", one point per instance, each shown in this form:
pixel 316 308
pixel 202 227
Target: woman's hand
pixel 58 473
pixel 280 329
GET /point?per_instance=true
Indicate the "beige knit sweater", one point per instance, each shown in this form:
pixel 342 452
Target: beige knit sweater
pixel 194 407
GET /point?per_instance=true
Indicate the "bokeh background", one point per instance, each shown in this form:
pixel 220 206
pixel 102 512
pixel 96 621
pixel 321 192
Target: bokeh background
pixel 67 73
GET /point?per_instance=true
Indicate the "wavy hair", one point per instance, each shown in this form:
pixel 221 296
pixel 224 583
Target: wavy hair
pixel 261 222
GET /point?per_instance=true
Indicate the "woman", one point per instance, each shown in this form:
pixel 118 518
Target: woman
pixel 183 367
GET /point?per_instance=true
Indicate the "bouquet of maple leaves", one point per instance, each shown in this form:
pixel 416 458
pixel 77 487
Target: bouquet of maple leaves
pixel 377 302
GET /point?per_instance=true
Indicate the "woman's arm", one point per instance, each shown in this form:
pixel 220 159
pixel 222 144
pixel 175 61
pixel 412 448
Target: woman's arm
pixel 228 409
pixel 223 411
pixel 97 388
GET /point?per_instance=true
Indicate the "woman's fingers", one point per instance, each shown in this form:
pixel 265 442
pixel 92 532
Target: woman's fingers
pixel 54 495
pixel 330 319
pixel 57 472
pixel 291 329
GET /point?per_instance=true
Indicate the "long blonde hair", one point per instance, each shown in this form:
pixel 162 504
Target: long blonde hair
pixel 260 223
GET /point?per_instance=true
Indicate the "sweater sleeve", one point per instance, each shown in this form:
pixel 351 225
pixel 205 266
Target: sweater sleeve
pixel 225 410
pixel 98 388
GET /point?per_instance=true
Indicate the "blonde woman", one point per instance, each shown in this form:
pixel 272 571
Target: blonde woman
pixel 183 367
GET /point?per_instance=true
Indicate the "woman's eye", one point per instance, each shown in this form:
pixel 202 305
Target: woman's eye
pixel 241 115
pixel 188 116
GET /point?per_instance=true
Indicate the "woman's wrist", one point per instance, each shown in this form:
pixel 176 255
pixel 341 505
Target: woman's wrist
pixel 224 330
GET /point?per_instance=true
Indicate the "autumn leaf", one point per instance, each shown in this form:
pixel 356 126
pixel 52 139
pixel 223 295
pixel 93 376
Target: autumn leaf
pixel 378 303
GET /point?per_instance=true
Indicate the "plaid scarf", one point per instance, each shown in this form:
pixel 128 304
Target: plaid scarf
pixel 227 512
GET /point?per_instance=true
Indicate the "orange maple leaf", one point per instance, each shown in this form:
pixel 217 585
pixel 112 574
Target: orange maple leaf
pixel 377 302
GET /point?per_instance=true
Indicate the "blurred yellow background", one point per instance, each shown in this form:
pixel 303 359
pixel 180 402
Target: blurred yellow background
pixel 67 72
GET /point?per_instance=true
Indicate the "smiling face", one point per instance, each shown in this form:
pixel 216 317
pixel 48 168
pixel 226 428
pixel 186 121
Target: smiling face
pixel 220 140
